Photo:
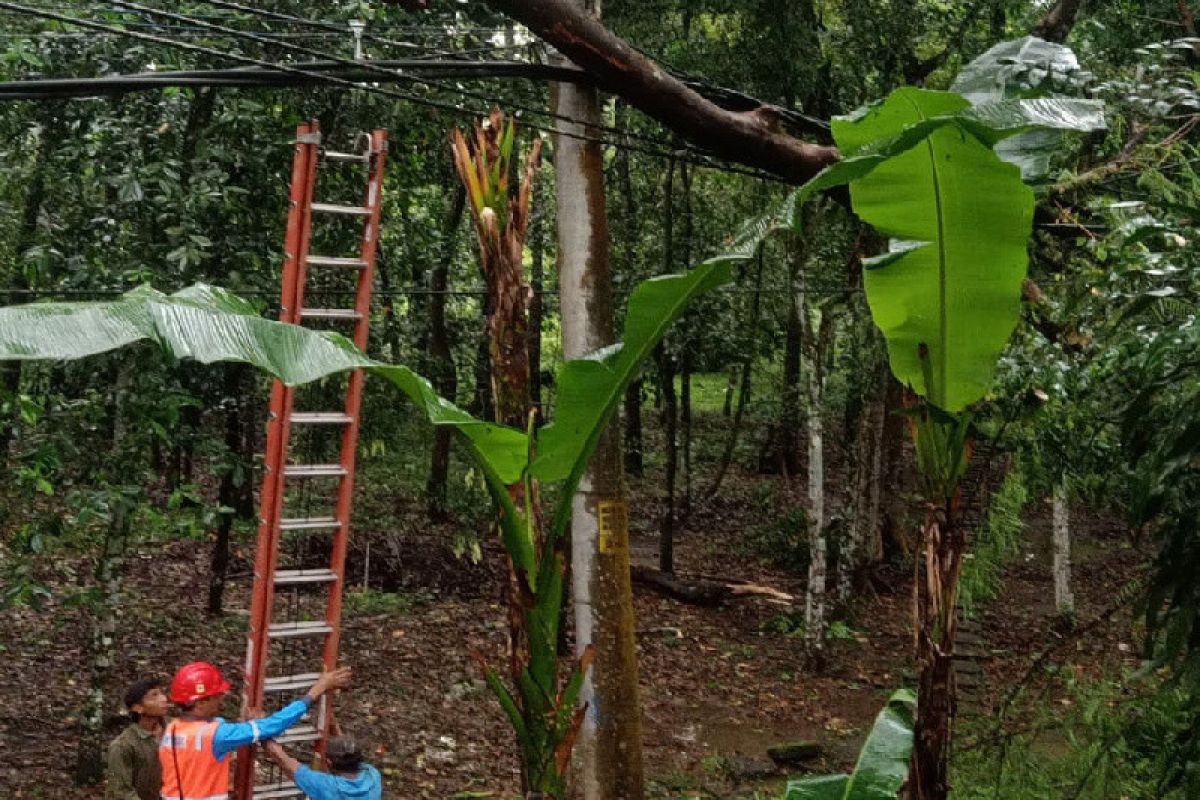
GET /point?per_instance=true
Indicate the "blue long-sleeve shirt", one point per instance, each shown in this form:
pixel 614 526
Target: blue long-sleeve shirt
pixel 229 736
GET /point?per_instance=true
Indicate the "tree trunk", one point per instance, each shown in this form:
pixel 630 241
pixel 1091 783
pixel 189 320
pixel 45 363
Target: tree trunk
pixel 668 405
pixel 861 479
pixel 634 462
pixel 445 377
pixel 731 385
pixel 609 746
pixel 818 329
pixel 231 492
pixel 670 419
pixel 110 573
pixel 871 524
pixel 634 448
pixel 747 366
pixel 685 361
pixel 1064 601
pixel 482 401
pixel 782 448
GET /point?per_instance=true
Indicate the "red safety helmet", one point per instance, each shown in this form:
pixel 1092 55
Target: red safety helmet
pixel 197 681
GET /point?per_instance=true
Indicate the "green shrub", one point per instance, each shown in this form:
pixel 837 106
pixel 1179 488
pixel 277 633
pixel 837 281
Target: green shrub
pixel 1104 740
pixel 783 541
pixel 996 542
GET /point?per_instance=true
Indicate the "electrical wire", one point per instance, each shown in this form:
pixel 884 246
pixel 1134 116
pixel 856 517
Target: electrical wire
pixel 705 161
pixel 369 67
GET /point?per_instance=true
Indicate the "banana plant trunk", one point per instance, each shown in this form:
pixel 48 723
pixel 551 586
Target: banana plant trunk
pixel 935 596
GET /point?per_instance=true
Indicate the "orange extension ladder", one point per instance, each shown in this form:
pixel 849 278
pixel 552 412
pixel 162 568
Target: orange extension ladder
pixel 270 626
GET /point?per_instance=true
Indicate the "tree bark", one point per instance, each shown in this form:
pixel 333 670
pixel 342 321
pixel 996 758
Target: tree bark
pixel 781 449
pixel 110 574
pixel 670 419
pixel 235 485
pixel 818 339
pixel 1056 26
pixel 669 406
pixel 685 360
pixel 609 746
pixel 1064 600
pixel 445 377
pixel 754 138
pixel 634 448
pixel 634 462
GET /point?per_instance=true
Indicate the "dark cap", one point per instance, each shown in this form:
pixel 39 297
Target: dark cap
pixel 343 754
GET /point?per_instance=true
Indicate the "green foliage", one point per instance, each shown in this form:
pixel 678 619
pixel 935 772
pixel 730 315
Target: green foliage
pixel 783 540
pixel 370 602
pixel 1111 738
pixel 882 764
pixel 210 325
pixel 950 285
pixel 994 544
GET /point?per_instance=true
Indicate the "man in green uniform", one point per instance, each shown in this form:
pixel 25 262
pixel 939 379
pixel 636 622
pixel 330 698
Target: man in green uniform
pixel 133 766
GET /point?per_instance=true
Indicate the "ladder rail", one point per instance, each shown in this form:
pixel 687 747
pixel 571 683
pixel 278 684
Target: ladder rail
pixel 368 249
pixel 296 243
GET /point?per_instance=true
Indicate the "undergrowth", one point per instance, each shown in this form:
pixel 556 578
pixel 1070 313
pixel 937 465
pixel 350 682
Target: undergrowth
pixel 996 542
pixel 1118 738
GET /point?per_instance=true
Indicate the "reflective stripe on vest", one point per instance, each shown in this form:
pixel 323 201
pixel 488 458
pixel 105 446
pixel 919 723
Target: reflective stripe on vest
pixel 188 745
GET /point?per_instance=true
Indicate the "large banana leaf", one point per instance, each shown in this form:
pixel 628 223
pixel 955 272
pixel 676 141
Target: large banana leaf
pixel 210 325
pixel 882 763
pixel 961 219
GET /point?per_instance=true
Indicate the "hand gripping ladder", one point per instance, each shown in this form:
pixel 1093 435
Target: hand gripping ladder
pixel 279 472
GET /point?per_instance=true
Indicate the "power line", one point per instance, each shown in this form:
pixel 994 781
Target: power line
pixel 369 67
pixel 322 78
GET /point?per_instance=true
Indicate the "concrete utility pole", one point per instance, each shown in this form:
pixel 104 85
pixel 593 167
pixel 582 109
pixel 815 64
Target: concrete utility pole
pixel 609 748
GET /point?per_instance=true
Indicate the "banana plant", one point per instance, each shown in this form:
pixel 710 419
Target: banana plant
pixel 210 325
pixel 882 763
pixel 924 169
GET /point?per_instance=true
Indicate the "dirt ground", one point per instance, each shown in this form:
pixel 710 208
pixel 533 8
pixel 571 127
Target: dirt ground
pixel 719 685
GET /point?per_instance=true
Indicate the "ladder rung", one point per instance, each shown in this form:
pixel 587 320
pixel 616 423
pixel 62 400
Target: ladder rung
pixel 333 155
pixel 309 524
pixel 291 683
pixel 314 471
pixel 336 261
pixel 291 630
pixel 330 313
pixel 338 208
pixel 299 733
pixel 277 791
pixel 291 577
pixel 322 418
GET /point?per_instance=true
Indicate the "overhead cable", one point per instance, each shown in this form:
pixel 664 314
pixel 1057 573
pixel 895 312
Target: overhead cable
pixel 352 85
pixel 373 69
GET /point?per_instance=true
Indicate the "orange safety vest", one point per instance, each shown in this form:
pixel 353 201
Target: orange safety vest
pixel 190 771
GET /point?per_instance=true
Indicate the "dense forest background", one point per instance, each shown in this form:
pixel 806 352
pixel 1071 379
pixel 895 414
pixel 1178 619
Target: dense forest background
pixel 131 479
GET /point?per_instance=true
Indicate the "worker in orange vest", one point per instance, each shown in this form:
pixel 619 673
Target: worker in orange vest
pixel 194 747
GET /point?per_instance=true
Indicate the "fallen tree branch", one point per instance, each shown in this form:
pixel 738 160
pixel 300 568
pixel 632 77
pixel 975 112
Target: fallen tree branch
pixel 701 592
pixel 755 138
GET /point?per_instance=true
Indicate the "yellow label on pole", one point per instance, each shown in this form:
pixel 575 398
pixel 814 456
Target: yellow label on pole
pixel 614 525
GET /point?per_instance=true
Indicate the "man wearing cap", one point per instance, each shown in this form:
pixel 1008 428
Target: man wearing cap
pixel 349 778
pixel 194 747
